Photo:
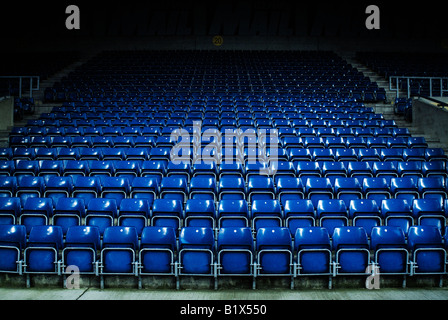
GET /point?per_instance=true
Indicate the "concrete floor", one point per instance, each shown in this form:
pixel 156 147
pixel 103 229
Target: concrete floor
pixel 251 295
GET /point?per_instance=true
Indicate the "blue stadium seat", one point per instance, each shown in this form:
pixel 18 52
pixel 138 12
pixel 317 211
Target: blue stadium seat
pixel 266 213
pixel 351 246
pixel 233 213
pixel 117 188
pixel 167 213
pixel 7 168
pixel 331 214
pixel 274 252
pixel 347 189
pixel 36 212
pixel 68 212
pixel 298 214
pixel 384 169
pixel 10 210
pixel 376 189
pixel 318 189
pixel 80 249
pixel 200 213
pixel 429 212
pixel 203 187
pixel 101 213
pixel 432 188
pixel 314 256
pixel 434 169
pixel 118 253
pixel 26 168
pixel 426 248
pixel 289 188
pixel 260 188
pixel 157 251
pixel 306 169
pixel 231 188
pixel 145 188
pixel 86 188
pixel 410 169
pixel 175 188
pixel 12 242
pixel 134 213
pixel 235 252
pixel 196 251
pixel 435 154
pixel 58 187
pixel 390 251
pixel 369 154
pixel 359 170
pixel 42 251
pixel 8 186
pixel 365 213
pixel 404 188
pixel 398 213
pixel 76 168
pixel 128 168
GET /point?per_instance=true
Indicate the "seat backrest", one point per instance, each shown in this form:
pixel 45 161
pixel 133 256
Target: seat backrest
pixel 134 206
pixel 235 238
pixel 311 238
pixel 395 207
pixel 102 206
pixel 83 236
pixel 114 183
pixel 317 184
pixel 46 236
pixel 375 184
pixel 387 237
pixel 38 206
pixel 167 206
pixel 200 207
pixel 13 235
pixel 349 237
pixel 426 206
pixel 273 238
pixel 198 238
pixel 431 184
pixel 233 207
pixel 10 206
pixel 158 237
pixel 70 205
pixel 424 237
pixel 302 206
pixel 331 207
pixel 266 207
pixel 362 207
pixel 120 237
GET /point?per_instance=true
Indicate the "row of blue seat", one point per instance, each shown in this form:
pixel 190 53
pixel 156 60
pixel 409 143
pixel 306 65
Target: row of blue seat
pixel 239 154
pixel 232 253
pixel 250 129
pixel 140 212
pixel 218 110
pixel 228 187
pixel 300 167
pixel 177 102
pixel 299 128
pixel 243 118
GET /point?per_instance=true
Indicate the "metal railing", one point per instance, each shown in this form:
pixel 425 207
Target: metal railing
pixel 34 80
pixel 432 81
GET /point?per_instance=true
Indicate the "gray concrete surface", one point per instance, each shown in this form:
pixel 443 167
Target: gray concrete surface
pixel 198 295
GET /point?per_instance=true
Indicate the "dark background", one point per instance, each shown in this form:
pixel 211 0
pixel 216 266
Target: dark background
pixel 27 25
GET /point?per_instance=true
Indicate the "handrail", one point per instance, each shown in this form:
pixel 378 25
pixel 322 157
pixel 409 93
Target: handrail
pixel 32 88
pixel 396 79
